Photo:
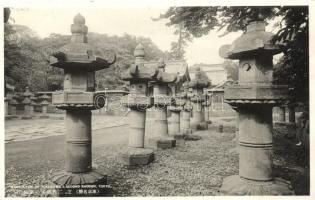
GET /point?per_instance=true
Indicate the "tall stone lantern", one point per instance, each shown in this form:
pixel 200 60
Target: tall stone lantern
pixel 13 104
pixel 138 101
pixel 6 105
pixel 28 109
pixel 186 110
pixel 175 109
pixel 44 103
pixel 160 138
pixel 197 98
pixel 254 96
pixel 206 106
pixel 78 99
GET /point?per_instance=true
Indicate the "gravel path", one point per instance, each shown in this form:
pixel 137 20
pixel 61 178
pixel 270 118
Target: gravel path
pixel 193 168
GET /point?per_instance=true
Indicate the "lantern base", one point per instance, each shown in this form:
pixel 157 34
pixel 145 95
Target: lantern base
pixel 44 116
pixel 234 185
pixel 192 137
pixel 179 136
pixel 186 132
pixel 11 117
pixel 200 126
pixel 137 156
pixel 27 117
pixel 87 184
pixel 162 143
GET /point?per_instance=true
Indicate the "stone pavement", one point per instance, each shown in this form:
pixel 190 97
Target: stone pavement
pixel 21 130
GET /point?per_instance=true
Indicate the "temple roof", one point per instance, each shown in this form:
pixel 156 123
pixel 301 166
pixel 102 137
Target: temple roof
pixel 179 67
pixel 164 77
pixel 141 72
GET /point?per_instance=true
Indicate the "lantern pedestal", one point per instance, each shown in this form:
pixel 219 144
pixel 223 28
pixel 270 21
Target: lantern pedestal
pixel 234 185
pixel 161 139
pixel 137 156
pixel 91 183
pixel 185 122
pixel 174 122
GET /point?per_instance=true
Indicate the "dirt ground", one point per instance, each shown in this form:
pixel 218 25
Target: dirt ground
pixel 193 168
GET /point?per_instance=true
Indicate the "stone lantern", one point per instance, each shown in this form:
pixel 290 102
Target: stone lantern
pixel 197 98
pixel 254 96
pixel 27 104
pixel 6 104
pixel 291 107
pixel 13 104
pixel 185 114
pixel 138 101
pixel 206 106
pixel 174 121
pixel 160 137
pixel 33 104
pixel 17 102
pixel 44 103
pixel 282 113
pixel 78 98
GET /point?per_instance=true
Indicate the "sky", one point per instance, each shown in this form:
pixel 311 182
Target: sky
pixel 117 21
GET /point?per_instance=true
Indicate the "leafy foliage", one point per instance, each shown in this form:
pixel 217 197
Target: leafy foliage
pixel 178 48
pixel 27 58
pixel 293 34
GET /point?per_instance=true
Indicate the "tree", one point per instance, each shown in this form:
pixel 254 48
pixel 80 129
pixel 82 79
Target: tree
pixel 27 58
pixel 293 34
pixel 178 48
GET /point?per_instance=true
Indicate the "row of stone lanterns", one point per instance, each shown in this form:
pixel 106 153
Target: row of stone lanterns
pixel 291 113
pixel 253 98
pixel 28 101
pixel 78 99
pixel 165 131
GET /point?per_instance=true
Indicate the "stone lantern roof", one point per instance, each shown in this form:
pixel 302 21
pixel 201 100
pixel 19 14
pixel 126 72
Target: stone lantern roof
pixel 44 103
pixel 26 101
pixel 16 97
pixel 179 67
pixel 141 71
pixel 78 54
pixel 27 92
pixel 44 97
pixel 13 102
pixel 33 100
pixel 198 82
pixel 254 41
pixel 163 77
